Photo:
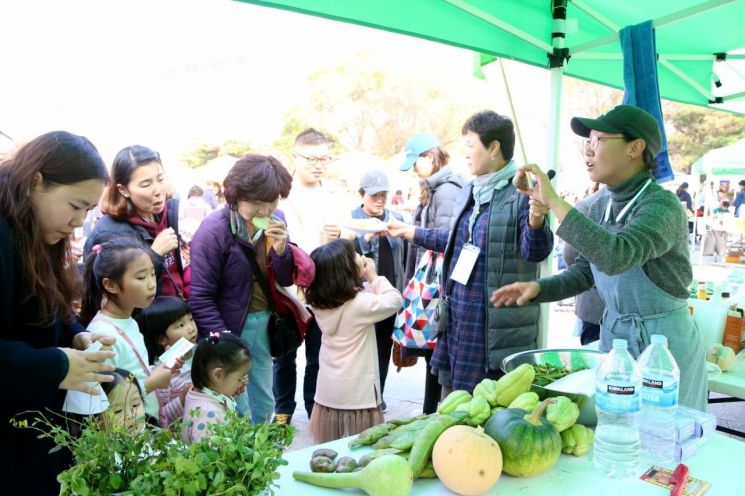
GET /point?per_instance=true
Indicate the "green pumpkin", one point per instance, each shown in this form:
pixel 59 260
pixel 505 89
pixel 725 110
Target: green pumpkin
pixel 530 444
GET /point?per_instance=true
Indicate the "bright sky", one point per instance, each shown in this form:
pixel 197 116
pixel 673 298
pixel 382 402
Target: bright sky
pixel 174 73
pixel 169 70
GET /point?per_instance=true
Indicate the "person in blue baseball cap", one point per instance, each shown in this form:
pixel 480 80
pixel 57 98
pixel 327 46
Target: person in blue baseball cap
pixel 439 186
pixel 632 240
pixel 416 147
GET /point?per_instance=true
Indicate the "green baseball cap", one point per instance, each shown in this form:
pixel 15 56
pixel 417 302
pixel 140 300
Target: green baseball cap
pixel 625 119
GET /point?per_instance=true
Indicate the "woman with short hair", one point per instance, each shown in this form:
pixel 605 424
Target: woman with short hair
pixel 496 237
pixel 226 294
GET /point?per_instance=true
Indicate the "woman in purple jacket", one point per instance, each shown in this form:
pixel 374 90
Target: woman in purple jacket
pixel 225 295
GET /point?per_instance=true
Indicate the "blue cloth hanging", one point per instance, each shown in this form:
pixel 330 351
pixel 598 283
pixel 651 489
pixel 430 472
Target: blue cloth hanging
pixel 641 84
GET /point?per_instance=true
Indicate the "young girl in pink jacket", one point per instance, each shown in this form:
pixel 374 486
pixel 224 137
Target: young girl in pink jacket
pixel 219 373
pixel 347 397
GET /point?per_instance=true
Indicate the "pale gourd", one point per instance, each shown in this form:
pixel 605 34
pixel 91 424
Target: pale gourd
pixel 466 460
pixel 389 475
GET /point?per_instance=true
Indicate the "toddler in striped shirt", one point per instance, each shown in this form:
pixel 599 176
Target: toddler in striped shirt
pixel 163 323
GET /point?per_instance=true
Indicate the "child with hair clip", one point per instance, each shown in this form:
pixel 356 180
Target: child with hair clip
pixel 163 323
pixel 219 373
pixel 119 278
pixel 126 404
pixel 348 398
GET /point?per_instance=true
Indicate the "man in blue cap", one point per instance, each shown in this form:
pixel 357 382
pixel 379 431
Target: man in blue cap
pixel 387 253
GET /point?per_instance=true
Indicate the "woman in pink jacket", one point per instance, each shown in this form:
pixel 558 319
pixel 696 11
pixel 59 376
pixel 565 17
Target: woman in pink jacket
pixel 347 397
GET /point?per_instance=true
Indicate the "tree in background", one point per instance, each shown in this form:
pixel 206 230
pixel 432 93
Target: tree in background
pixel 234 148
pixel 590 99
pixel 205 152
pixel 295 123
pixel 698 130
pixel 691 131
pixel 375 110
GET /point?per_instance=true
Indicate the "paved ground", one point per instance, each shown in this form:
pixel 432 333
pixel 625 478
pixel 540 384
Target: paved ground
pixel 405 390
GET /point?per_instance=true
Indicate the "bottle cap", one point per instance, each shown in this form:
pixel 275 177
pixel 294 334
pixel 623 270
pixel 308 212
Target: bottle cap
pixel 659 339
pixel 620 343
pixel 725 294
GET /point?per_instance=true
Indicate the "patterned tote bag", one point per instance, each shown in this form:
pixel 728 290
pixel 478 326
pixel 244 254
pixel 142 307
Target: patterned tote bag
pixel 415 325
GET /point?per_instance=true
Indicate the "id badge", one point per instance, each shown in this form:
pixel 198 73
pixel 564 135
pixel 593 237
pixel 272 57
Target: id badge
pixel 465 264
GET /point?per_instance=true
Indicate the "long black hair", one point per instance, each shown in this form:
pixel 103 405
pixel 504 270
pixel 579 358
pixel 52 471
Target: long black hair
pixel 155 320
pixel 62 159
pixel 108 261
pixel 125 163
pixel 121 376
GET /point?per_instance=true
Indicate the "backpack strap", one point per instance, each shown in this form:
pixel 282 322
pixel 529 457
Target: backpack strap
pixel 129 342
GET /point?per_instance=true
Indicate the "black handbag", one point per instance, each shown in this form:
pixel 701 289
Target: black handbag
pixel 442 310
pixel 283 331
pixel 283 335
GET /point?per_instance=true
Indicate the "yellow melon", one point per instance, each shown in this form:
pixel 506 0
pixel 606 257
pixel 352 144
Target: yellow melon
pixel 466 460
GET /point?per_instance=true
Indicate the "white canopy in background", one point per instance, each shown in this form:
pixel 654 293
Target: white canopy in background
pixel 726 161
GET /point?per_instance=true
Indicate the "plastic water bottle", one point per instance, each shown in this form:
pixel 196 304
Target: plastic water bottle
pixel 617 403
pixel 660 387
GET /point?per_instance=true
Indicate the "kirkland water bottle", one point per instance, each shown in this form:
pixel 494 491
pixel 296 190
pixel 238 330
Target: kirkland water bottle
pixel 617 403
pixel 660 387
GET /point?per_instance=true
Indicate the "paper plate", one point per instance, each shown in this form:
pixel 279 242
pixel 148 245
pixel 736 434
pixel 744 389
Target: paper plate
pixel 366 229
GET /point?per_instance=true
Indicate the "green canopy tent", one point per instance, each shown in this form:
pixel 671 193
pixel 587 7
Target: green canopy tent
pixel 697 42
pixel 726 161
pixel 696 39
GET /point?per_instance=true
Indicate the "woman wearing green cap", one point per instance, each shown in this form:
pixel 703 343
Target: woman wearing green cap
pixel 633 246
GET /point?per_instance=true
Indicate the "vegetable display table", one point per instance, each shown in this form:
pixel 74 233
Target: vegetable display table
pixel 732 386
pixel 729 384
pixel 571 476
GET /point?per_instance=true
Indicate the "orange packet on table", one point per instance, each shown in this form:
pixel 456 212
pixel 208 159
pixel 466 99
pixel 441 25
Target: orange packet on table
pixel 660 476
pixel 733 330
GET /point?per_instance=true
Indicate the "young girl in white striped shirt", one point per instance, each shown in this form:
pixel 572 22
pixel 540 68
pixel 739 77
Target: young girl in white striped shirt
pixel 119 279
pixel 163 323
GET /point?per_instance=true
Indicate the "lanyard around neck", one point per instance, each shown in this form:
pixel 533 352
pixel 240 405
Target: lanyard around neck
pixel 627 207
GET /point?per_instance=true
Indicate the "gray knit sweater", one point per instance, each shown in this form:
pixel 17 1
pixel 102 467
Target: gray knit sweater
pixel 654 237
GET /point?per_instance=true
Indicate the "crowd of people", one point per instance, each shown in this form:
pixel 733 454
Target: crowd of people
pixel 281 256
pixel 712 214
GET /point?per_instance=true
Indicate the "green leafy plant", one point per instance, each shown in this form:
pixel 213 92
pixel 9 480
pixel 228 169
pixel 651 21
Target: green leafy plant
pixel 238 458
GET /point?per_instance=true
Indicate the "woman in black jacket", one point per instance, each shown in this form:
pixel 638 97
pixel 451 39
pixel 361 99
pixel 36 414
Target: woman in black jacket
pixel 135 204
pixel 46 189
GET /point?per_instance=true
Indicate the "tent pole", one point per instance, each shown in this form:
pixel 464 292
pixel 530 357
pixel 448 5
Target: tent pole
pixel 512 109
pixel 552 162
pixel 734 96
pixel 558 8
